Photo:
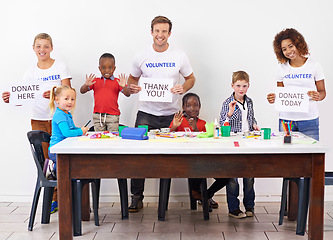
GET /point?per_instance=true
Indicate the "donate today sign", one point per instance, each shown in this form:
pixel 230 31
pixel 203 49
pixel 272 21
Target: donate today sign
pixel 155 90
pixel 290 99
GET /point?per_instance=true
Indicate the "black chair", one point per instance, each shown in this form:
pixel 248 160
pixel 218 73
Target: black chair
pixel 164 194
pixel 36 138
pixel 328 178
pixel 303 185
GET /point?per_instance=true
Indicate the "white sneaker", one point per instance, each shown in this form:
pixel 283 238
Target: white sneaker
pixel 48 170
pixel 237 214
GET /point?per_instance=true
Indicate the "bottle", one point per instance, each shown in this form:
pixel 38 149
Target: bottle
pixel 216 129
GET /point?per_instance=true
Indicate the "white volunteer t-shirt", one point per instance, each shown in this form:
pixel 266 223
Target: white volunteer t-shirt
pixel 48 78
pixel 169 65
pixel 301 77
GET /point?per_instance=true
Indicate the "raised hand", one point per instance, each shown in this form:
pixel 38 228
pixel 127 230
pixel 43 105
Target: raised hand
pixel 90 80
pixel 122 80
pixel 177 119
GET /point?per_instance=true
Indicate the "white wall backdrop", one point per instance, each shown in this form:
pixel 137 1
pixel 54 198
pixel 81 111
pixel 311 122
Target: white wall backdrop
pixel 219 37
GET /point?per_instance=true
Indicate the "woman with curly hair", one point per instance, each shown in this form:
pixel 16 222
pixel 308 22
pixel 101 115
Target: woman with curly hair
pixel 297 69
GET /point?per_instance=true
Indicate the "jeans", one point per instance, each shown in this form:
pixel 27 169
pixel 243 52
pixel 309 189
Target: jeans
pixel 307 127
pixel 233 193
pixel 153 122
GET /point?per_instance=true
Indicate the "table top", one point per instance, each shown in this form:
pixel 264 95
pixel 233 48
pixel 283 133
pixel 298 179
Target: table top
pixel 187 145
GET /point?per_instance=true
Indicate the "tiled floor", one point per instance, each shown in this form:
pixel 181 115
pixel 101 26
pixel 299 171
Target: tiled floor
pixel 181 224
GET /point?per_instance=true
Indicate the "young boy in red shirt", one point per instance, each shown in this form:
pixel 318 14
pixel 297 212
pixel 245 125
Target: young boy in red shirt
pixel 106 92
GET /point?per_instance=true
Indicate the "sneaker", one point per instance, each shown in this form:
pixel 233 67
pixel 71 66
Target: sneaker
pixel 249 212
pixel 237 214
pixel 54 206
pixel 136 204
pixel 212 203
pixel 48 170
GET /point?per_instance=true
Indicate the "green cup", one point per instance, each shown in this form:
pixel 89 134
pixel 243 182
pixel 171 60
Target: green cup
pixel 225 131
pixel 121 129
pixel 144 126
pixel 266 132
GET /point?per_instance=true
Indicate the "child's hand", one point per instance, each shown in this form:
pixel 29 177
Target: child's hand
pixel 178 89
pixel 122 80
pixel 90 80
pixel 47 94
pixel 255 127
pixel 314 95
pixel 134 88
pixel 84 130
pixel 177 119
pixel 193 124
pixel 271 97
pixel 232 106
pixel 5 97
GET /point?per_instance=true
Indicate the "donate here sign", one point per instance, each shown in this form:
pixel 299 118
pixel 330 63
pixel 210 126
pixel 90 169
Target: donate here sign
pixel 155 90
pixel 290 99
pixel 23 93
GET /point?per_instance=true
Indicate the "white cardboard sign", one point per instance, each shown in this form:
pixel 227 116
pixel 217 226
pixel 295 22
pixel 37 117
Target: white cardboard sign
pixel 23 93
pixel 155 89
pixel 290 99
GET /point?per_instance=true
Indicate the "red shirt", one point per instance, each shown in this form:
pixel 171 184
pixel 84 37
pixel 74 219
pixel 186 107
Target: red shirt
pixel 184 126
pixel 106 92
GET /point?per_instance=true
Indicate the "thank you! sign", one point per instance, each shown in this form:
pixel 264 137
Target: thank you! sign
pixel 155 90
pixel 290 99
pixel 23 93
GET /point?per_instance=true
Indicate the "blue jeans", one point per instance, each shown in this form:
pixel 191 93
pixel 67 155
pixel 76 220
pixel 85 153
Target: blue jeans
pixel 307 127
pixel 53 157
pixel 233 193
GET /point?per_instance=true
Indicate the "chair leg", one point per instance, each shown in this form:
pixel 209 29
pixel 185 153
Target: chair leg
pixel 76 198
pixel 283 200
pixel 34 206
pixel 162 203
pixel 303 204
pixel 95 201
pixel 47 201
pixel 122 183
pixel 193 201
pixel 168 193
pixel 204 194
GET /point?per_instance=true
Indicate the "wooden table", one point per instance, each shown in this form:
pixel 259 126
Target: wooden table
pixel 83 158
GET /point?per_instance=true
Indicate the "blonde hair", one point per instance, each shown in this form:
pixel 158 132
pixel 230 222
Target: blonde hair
pixel 56 92
pixel 43 36
pixel 240 75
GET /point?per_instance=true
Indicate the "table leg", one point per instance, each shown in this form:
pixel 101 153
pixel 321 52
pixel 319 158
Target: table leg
pixel 64 198
pixel 316 209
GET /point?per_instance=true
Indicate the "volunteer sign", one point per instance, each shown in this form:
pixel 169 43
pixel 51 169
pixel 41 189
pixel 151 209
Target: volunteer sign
pixel 155 90
pixel 288 99
pixel 26 93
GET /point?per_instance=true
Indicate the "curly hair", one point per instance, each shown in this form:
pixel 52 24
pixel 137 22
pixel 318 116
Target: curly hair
pixel 296 38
